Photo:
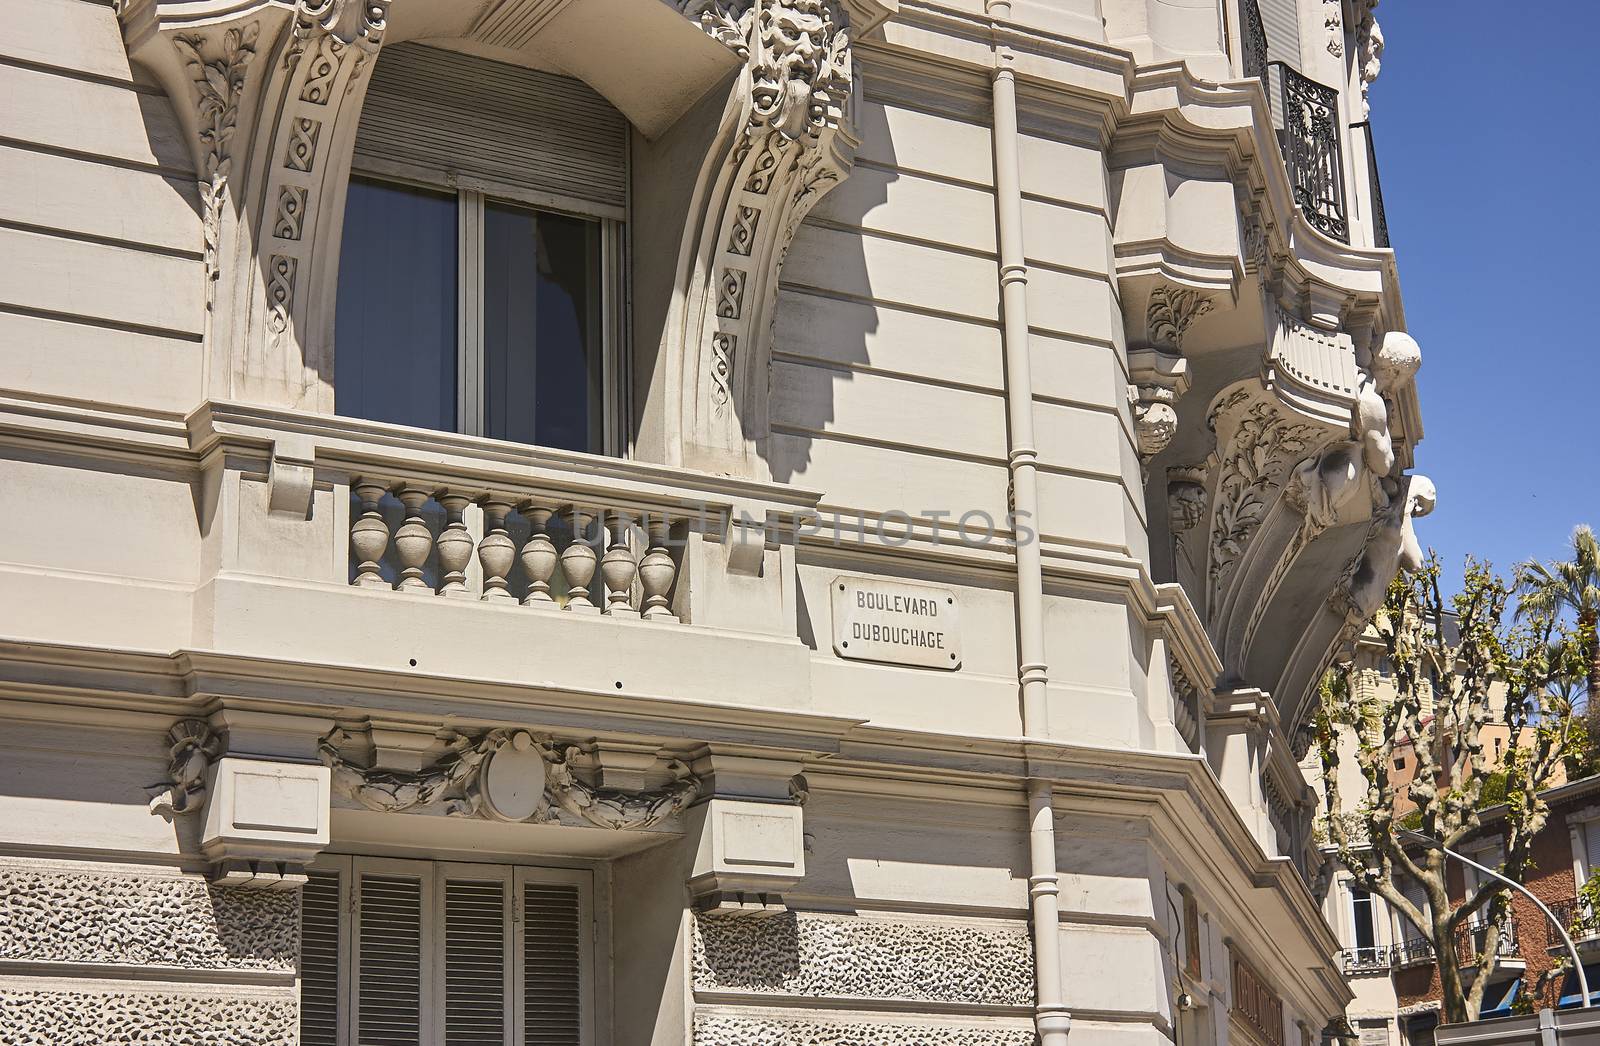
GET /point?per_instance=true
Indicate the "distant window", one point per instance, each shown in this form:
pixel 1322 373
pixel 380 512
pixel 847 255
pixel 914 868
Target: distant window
pixel 1361 919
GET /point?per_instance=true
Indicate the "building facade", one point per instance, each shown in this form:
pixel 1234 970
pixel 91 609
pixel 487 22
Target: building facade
pixel 719 521
pixel 1394 973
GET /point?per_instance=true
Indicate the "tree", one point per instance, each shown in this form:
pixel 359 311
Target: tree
pixel 1501 669
pixel 1574 584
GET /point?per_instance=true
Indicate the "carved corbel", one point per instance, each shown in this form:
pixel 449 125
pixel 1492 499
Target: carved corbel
pixel 1159 381
pixel 191 749
pixel 268 95
pixel 784 141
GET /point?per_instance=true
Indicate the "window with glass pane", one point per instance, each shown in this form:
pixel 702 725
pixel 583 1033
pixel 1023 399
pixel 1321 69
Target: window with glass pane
pixel 528 362
pixel 541 327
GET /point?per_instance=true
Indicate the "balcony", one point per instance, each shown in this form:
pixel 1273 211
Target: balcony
pixel 1470 942
pixel 1578 916
pixel 1309 134
pixel 1380 223
pixel 1383 958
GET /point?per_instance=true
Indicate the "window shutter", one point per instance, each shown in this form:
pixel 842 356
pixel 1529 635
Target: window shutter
pixel 319 960
pixel 1281 20
pixel 389 992
pixel 552 955
pixel 474 962
pixel 1591 838
pixel 429 109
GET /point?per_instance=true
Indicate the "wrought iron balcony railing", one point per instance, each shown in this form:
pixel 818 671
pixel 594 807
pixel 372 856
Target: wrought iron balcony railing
pixel 1577 917
pixel 1253 40
pixel 1381 958
pixel 1311 150
pixel 1470 941
pixel 1380 224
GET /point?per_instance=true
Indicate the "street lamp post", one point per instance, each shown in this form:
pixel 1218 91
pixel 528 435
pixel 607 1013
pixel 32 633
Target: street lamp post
pixel 1566 939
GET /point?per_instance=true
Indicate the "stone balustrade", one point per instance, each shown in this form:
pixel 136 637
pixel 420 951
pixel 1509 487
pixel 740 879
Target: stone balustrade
pixel 466 542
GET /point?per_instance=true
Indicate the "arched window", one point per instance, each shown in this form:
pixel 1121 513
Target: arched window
pixel 479 265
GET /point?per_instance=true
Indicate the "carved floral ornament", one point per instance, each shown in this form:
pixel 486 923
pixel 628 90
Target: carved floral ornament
pixel 191 749
pixel 510 776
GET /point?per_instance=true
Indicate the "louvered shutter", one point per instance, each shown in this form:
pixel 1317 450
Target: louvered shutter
pixel 475 962
pixel 1281 20
pixel 319 960
pixel 550 136
pixel 1591 839
pixel 552 958
pixel 389 985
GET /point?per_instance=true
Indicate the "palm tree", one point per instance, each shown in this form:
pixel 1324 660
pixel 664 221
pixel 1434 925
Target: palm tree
pixel 1570 585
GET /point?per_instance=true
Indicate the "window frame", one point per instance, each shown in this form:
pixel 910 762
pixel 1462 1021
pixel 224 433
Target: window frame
pixel 471 195
pixel 432 876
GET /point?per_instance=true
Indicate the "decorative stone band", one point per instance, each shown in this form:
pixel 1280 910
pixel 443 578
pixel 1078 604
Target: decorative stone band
pixel 510 775
pixel 724 1029
pixel 810 955
pixel 62 912
pixel 60 1014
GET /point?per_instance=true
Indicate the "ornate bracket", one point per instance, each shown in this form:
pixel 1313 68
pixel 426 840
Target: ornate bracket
pixel 191 749
pixel 784 141
pixel 269 95
pixel 510 776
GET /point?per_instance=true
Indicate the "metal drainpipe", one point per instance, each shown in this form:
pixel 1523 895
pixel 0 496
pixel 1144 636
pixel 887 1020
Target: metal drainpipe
pixel 1050 1012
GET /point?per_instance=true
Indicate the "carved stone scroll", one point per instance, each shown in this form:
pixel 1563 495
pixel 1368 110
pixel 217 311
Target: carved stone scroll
pixel 785 141
pixel 191 749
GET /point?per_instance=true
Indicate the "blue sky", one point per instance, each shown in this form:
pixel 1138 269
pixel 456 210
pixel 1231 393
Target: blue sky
pixel 1486 117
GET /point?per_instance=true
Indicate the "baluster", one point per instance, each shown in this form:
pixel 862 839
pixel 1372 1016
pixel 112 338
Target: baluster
pixel 538 557
pixel 455 546
pixel 578 563
pixel 618 567
pixel 369 536
pixel 496 552
pixel 413 541
pixel 657 571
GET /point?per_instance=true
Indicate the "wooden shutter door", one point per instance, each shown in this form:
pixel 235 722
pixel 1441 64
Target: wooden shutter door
pixel 477 948
pixel 393 940
pixel 555 940
pixel 321 932
pixel 1591 838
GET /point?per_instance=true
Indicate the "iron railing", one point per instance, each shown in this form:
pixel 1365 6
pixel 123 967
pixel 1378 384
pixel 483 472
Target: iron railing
pixel 1311 131
pixel 1576 917
pixel 1380 224
pixel 1471 937
pixel 1382 958
pixel 1253 40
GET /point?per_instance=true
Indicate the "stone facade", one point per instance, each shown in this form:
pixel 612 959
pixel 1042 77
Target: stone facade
pixel 1062 330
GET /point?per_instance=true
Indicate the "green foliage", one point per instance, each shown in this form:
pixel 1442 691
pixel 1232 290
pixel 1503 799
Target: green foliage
pixel 1493 792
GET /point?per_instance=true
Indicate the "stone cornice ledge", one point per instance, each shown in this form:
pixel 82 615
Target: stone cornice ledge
pixel 1102 91
pixel 339 447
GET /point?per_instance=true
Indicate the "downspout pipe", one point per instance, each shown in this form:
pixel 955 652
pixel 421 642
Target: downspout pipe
pixel 1051 1018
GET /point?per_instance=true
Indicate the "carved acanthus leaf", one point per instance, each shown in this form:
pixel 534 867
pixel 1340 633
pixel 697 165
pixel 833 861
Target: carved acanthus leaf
pixel 1171 312
pixel 513 776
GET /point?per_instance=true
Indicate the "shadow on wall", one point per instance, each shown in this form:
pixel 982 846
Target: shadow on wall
pixel 824 314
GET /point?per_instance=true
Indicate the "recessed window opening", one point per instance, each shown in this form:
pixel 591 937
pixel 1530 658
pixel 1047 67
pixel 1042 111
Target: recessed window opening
pixel 481 251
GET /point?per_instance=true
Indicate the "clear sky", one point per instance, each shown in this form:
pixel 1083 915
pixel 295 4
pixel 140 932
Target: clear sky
pixel 1487 121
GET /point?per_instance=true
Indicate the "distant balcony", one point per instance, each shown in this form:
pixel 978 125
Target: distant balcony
pixel 1471 939
pixel 1578 918
pixel 1383 958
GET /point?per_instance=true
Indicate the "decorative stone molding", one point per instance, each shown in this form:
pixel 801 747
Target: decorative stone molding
pixel 724 1029
pixel 813 955
pixel 191 749
pixel 746 853
pixel 510 776
pixel 1187 707
pixel 1159 381
pixel 269 94
pixel 63 1017
pixel 1258 443
pixel 1369 49
pixel 54 915
pixel 784 141
pixel 1333 22
pixel 1171 312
